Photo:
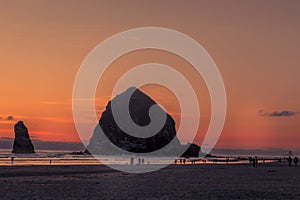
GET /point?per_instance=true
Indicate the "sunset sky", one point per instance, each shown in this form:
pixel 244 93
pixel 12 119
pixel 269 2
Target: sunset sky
pixel 255 45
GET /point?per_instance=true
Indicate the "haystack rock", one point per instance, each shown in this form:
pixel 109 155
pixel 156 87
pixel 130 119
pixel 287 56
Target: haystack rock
pixel 139 105
pixel 22 142
pixel 108 138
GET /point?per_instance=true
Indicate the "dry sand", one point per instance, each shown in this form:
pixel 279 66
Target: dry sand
pixel 268 181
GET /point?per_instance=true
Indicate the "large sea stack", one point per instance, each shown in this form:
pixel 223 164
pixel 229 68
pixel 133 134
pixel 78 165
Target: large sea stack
pixel 108 138
pixel 22 142
pixel 139 105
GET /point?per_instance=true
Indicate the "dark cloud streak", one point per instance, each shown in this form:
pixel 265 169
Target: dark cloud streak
pixel 284 113
pixel 7 143
pixel 10 118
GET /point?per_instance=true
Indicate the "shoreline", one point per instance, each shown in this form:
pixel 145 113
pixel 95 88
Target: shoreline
pixel 44 161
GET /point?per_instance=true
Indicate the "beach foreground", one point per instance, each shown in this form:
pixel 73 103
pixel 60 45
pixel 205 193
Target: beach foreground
pixel 268 181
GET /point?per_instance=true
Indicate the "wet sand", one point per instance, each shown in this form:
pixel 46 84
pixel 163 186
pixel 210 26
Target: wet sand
pixel 268 181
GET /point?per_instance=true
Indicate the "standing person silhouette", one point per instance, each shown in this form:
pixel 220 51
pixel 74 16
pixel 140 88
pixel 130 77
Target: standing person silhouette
pixel 12 160
pixel 256 161
pixel 296 161
pixel 250 160
pixel 131 161
pixel 290 161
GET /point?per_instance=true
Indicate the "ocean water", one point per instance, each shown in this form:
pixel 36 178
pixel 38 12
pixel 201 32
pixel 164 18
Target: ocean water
pixel 67 158
pixel 52 157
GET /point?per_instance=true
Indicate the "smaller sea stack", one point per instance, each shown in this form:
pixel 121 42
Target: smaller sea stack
pixel 22 142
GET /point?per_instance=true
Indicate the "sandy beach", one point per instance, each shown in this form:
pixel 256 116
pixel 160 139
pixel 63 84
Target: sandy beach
pixel 267 181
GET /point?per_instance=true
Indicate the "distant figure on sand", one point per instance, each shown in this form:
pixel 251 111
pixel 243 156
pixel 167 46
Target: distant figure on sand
pixel 12 160
pixel 131 161
pixel 290 161
pixel 256 161
pixel 183 161
pixel 250 160
pixel 296 161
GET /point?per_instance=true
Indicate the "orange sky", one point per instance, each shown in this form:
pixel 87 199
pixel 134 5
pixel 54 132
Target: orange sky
pixel 255 45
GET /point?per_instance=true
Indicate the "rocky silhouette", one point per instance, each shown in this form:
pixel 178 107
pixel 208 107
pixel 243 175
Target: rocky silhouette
pixel 22 142
pixel 139 105
pixel 193 150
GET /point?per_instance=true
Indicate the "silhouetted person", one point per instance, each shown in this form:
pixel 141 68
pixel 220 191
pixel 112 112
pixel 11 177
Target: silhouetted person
pixel 296 161
pixel 183 161
pixel 180 161
pixel 227 160
pixel 290 161
pixel 253 162
pixel 143 160
pixel 175 161
pixel 131 161
pixel 256 161
pixel 50 162
pixel 12 160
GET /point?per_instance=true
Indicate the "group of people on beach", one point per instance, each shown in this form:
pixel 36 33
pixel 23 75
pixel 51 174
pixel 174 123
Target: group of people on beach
pixel 253 161
pixel 289 159
pixel 141 161
pixel 181 161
